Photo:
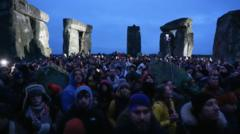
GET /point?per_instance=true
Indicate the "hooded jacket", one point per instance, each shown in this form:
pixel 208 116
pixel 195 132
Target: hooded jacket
pixel 93 119
pixel 67 95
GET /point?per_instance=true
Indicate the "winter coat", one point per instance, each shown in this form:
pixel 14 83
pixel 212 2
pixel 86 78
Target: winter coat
pixel 161 112
pixel 67 95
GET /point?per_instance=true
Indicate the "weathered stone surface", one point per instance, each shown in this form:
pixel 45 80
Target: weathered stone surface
pixel 23 33
pixel 180 44
pixel 41 34
pixel 178 24
pixel 183 43
pixel 227 36
pixel 133 40
pixel 23 7
pixel 77 37
pixel 168 47
pixel 22 25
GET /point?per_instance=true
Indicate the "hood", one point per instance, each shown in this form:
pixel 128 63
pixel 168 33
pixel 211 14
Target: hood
pixel 84 88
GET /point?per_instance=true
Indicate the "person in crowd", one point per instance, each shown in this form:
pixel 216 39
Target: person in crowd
pixel 104 95
pixel 67 95
pixel 206 75
pixel 36 110
pixel 10 123
pixel 138 117
pixel 228 105
pixel 203 116
pixel 132 77
pixel 93 119
pixel 213 87
pixel 119 103
pixel 148 85
pixel 164 109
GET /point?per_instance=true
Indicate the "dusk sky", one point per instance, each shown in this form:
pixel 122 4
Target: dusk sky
pixel 110 19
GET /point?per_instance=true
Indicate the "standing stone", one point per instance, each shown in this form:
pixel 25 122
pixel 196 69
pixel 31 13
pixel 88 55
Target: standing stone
pixel 77 37
pixel 227 37
pixel 133 40
pixel 181 44
pixel 22 25
pixel 167 42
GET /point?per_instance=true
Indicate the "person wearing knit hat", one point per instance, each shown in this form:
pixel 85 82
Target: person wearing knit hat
pixel 54 88
pixel 33 90
pixel 74 126
pixel 138 117
pixel 202 115
pixel 139 99
pixel 36 109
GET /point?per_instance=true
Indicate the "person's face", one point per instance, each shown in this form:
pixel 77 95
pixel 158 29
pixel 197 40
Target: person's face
pixel 149 79
pixel 78 77
pixel 213 81
pixel 210 110
pixel 223 69
pixel 104 88
pixel 170 84
pixel 36 100
pixel 125 92
pixel 141 116
pixel 167 92
pixel 83 99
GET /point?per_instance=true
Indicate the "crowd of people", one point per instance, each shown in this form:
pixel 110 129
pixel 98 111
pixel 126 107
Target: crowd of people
pixel 118 94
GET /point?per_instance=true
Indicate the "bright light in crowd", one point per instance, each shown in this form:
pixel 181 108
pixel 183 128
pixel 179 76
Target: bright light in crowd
pixel 4 62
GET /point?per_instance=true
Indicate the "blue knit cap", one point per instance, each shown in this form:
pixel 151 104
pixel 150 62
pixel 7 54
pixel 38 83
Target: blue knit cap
pixel 139 99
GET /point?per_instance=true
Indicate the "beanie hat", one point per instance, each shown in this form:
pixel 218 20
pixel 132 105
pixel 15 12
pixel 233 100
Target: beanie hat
pixel 74 126
pixel 55 88
pixel 198 101
pixel 139 99
pixel 35 89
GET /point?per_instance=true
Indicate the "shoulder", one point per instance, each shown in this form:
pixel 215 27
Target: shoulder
pixel 68 89
pixel 187 117
pixel 159 105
